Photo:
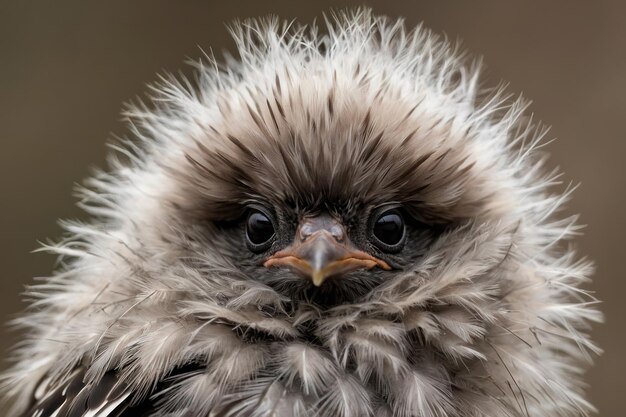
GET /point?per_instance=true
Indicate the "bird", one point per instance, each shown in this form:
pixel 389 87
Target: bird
pixel 339 220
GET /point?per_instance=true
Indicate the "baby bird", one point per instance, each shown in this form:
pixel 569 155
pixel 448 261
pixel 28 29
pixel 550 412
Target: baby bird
pixel 336 223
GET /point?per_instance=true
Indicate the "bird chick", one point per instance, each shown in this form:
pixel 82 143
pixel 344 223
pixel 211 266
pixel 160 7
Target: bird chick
pixel 332 225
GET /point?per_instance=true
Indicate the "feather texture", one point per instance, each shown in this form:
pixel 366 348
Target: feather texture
pixel 149 311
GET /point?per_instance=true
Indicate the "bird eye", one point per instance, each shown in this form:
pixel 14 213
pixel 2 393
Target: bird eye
pixel 389 230
pixel 259 230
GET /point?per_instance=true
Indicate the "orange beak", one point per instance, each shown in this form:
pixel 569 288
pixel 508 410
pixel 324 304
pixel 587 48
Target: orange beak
pixel 321 251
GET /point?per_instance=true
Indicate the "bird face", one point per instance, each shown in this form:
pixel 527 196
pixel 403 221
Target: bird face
pixel 328 209
pixel 344 256
pixel 328 206
pixel 327 256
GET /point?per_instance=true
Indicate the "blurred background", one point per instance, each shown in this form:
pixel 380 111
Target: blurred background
pixel 67 67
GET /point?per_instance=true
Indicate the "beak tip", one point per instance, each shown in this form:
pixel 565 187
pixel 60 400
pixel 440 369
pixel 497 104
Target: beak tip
pixel 318 279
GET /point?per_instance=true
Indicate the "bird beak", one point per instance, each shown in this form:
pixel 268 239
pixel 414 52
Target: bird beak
pixel 321 250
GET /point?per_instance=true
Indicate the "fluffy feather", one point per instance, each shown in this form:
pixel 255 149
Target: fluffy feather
pixel 491 320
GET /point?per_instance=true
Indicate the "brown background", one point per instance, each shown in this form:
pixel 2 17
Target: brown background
pixel 66 67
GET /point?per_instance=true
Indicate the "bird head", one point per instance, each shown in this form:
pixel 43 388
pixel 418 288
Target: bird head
pixel 343 223
pixel 324 186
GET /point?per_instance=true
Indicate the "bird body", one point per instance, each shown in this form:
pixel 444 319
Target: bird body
pixel 339 225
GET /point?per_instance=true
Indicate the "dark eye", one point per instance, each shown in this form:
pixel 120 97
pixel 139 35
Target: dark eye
pixel 259 230
pixel 388 230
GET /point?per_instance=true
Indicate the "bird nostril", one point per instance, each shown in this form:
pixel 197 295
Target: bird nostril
pixel 337 232
pixel 305 232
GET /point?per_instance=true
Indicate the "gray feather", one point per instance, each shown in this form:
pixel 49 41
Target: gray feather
pixel 159 306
